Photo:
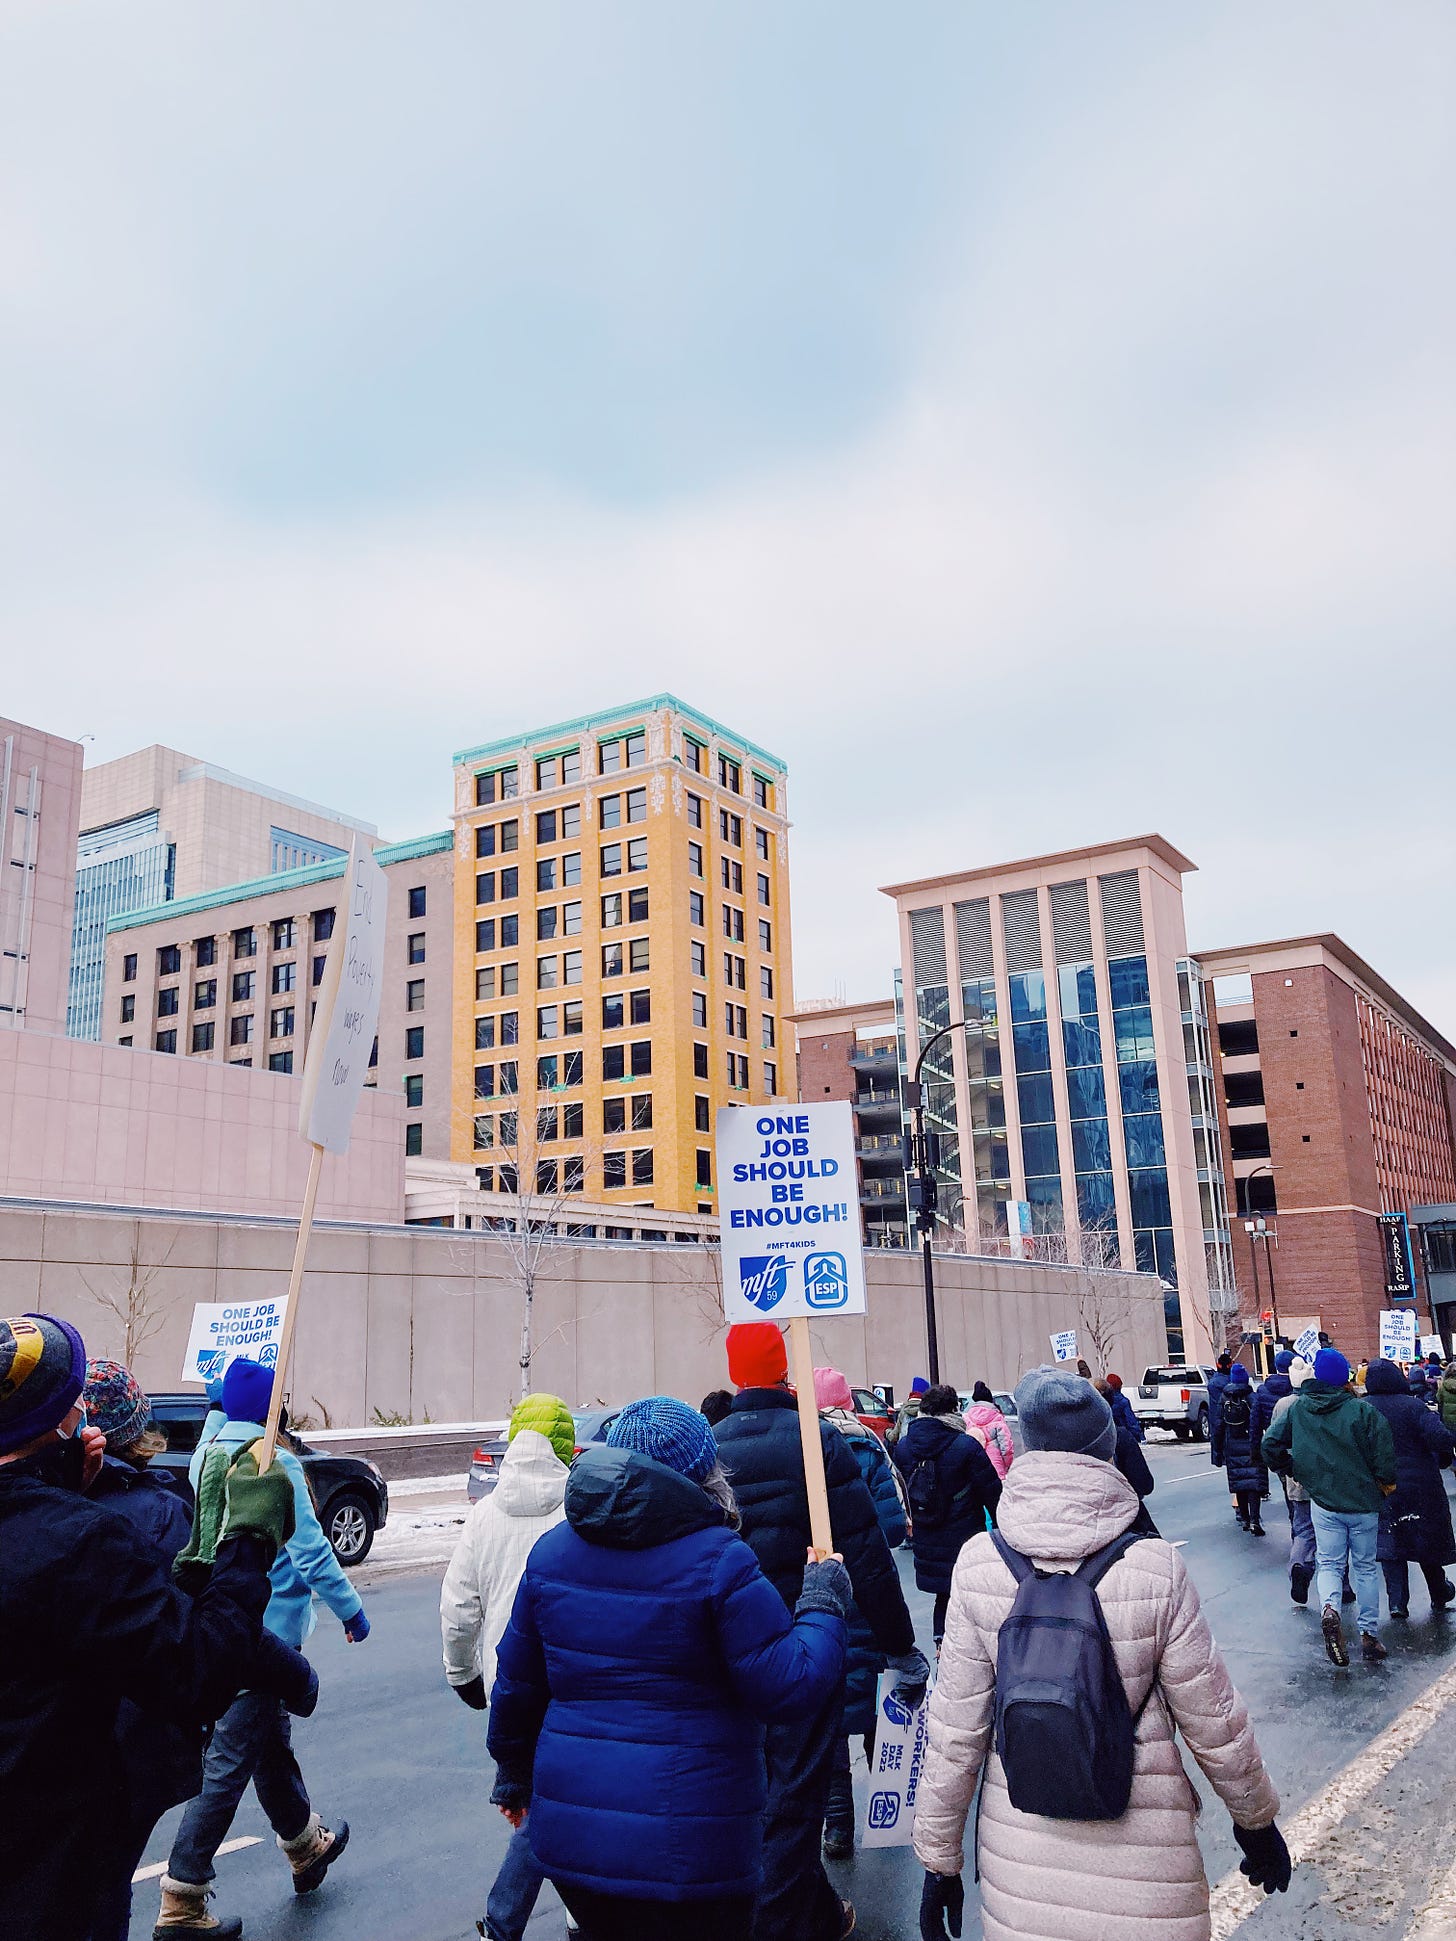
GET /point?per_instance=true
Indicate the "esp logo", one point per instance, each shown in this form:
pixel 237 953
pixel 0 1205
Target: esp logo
pixel 762 1279
pixel 826 1280
pixel 884 1810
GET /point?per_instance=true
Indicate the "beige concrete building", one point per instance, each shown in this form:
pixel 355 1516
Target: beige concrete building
pixel 39 809
pixel 159 825
pixel 423 1323
pixel 1068 1073
pixel 229 976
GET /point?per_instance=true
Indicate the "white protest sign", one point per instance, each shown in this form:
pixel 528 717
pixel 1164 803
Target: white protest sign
pixel 1064 1345
pixel 1397 1334
pixel 900 1741
pixel 221 1331
pixel 348 1006
pixel 1431 1344
pixel 1307 1344
pixel 788 1202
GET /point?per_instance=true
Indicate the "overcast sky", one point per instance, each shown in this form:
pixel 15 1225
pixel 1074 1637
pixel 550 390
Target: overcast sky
pixel 1034 422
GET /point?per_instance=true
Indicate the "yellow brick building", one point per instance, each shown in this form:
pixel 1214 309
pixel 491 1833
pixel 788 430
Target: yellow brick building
pixel 622 957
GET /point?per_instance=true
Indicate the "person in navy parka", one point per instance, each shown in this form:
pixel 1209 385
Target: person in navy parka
pixel 644 1656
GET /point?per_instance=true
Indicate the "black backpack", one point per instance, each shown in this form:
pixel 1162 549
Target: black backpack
pixel 925 1496
pixel 1064 1728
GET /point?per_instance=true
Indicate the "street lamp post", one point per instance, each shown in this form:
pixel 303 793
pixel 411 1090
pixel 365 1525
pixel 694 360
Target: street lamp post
pixel 1258 1229
pixel 922 1197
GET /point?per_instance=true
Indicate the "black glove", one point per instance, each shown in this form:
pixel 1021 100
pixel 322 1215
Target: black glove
pixel 942 1903
pixel 912 1675
pixel 512 1788
pixel 1266 1860
pixel 473 1692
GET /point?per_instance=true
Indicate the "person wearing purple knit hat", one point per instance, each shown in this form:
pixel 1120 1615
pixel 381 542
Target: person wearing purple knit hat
pixel 89 1617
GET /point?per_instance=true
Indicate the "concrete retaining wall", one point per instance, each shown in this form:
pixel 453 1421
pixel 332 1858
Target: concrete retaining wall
pixel 425 1322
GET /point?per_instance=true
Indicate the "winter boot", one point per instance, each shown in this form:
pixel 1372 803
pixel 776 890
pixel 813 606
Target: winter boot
pixel 849 1919
pixel 1371 1649
pixel 1300 1578
pixel 1334 1633
pixel 838 1843
pixel 313 1852
pixel 184 1912
pixel 1256 1526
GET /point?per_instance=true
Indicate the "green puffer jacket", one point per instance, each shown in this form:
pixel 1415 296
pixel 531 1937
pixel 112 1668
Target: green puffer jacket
pixel 1446 1397
pixel 1337 1446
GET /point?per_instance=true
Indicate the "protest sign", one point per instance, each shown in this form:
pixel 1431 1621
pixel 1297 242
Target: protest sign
pixel 221 1331
pixel 1397 1334
pixel 1307 1344
pixel 788 1201
pixel 1431 1344
pixel 1064 1345
pixel 899 1757
pixel 336 1064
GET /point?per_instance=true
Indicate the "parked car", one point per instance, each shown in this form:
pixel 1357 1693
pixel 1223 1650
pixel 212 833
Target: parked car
pixel 350 1493
pixel 870 1409
pixel 1174 1398
pixel 485 1461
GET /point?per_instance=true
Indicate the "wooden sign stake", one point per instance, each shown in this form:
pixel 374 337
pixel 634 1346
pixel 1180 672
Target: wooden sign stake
pixel 290 1312
pixel 802 1365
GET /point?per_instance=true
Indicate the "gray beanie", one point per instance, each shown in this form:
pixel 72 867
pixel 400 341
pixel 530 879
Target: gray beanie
pixel 1061 1410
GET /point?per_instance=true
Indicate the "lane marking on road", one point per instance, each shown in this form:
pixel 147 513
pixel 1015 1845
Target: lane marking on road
pixel 1234 1899
pixel 228 1846
pixel 1188 1476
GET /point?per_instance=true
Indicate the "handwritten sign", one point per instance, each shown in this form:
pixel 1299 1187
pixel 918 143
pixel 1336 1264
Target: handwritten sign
pixel 788 1200
pixel 1064 1345
pixel 222 1331
pixel 348 1007
pixel 1398 1334
pixel 899 1758
pixel 1431 1344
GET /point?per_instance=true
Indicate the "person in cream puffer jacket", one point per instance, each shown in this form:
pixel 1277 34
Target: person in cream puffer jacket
pixel 1066 1880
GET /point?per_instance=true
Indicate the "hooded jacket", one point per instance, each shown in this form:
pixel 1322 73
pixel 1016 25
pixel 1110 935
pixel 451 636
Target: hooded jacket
pixel 645 1653
pixel 89 1616
pixel 1267 1396
pixel 1446 1397
pixel 991 1429
pixel 306 1567
pixel 1070 1880
pixel 764 1457
pixel 480 1585
pixel 1337 1446
pixel 1235 1445
pixel 1415 1523
pixel 966 1486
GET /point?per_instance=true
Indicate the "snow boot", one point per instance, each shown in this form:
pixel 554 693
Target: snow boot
pixel 313 1852
pixel 1371 1649
pixel 838 1843
pixel 1301 1576
pixel 1334 1633
pixel 184 1914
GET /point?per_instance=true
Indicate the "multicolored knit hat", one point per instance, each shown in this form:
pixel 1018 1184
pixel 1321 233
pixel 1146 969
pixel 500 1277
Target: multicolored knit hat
pixel 42 1373
pixel 116 1403
pixel 550 1417
pixel 668 1431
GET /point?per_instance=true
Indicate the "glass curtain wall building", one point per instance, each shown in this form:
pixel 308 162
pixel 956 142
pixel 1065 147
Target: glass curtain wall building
pixel 125 867
pixel 1069 1104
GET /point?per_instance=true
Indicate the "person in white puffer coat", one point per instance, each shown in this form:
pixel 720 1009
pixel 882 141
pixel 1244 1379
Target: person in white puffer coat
pixel 1065 1880
pixel 479 1591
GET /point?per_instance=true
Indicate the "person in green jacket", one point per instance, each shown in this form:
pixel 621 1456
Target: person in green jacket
pixel 1446 1396
pixel 1341 1450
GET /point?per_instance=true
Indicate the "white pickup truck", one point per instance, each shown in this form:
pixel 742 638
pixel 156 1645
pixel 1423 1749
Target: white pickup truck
pixel 1174 1398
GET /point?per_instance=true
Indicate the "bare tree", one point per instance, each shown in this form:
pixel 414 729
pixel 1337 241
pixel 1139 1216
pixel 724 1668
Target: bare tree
pixel 136 1302
pixel 535 1189
pixel 1102 1304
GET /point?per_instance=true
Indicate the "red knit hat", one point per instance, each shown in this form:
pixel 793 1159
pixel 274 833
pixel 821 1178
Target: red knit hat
pixel 757 1357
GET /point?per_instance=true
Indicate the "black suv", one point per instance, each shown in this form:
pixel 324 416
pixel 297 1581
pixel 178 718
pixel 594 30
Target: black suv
pixel 351 1495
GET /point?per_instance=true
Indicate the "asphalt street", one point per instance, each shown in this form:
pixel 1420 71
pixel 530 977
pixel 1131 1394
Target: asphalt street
pixel 392 1751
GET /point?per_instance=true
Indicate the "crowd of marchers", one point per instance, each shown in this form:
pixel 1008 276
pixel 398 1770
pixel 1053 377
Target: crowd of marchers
pixel 677 1686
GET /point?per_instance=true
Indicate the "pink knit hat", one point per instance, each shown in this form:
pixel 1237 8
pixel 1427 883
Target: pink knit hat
pixel 831 1390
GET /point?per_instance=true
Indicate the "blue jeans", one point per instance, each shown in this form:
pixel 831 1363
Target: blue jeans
pixel 513 1897
pixel 251 1741
pixel 1344 1541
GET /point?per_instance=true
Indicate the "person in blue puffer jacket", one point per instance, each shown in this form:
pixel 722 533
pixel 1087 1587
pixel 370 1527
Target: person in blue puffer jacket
pixel 865 1661
pixel 644 1656
pixel 252 1740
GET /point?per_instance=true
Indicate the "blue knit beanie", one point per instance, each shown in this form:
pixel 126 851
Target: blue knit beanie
pixel 247 1389
pixel 1238 1376
pixel 1331 1368
pixel 669 1432
pixel 1284 1361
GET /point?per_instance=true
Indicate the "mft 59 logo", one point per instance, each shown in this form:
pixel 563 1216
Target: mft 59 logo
pixel 763 1278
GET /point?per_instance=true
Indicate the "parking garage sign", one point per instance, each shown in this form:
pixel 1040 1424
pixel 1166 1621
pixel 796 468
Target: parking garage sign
pixel 788 1205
